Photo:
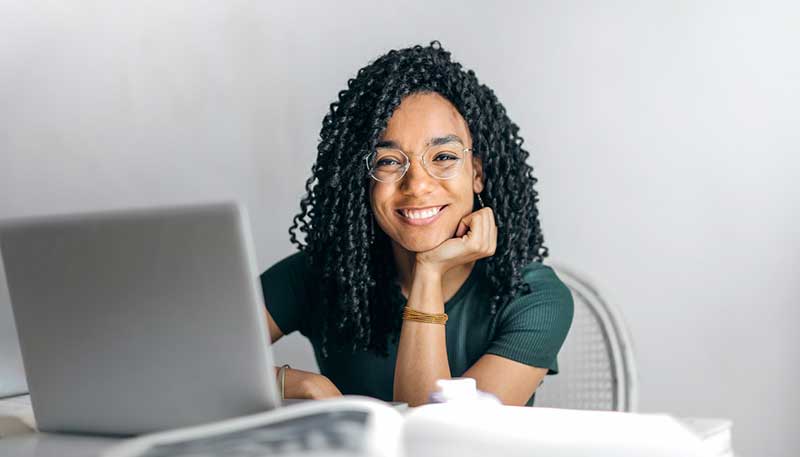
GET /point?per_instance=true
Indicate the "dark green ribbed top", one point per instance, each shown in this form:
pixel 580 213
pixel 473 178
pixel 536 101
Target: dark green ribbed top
pixel 530 329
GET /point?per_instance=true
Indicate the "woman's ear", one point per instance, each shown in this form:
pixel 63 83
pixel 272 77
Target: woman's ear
pixel 477 175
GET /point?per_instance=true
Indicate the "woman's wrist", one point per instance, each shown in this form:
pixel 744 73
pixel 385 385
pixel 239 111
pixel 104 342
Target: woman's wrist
pixel 296 384
pixel 427 271
pixel 426 289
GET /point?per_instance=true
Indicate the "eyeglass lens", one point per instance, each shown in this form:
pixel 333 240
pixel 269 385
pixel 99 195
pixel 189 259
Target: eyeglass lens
pixel 442 162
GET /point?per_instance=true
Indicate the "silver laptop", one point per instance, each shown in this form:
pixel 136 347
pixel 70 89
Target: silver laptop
pixel 12 375
pixel 142 320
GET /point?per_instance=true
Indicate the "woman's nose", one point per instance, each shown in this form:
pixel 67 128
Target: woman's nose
pixel 417 180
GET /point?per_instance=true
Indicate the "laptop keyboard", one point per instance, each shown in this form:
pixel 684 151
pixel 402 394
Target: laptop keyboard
pixel 328 433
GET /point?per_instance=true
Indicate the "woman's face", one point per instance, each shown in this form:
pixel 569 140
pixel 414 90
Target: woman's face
pixel 420 212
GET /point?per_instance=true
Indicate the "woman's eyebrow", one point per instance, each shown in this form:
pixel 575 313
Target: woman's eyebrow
pixel 438 141
pixel 435 141
pixel 387 144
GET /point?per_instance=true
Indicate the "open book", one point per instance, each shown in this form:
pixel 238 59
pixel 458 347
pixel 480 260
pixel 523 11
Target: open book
pixel 344 426
pixel 360 426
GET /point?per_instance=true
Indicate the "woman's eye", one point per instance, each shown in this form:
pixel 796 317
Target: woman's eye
pixel 445 156
pixel 387 162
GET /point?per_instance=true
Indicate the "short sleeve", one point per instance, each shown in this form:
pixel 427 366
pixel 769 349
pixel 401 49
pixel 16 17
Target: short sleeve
pixel 532 327
pixel 286 292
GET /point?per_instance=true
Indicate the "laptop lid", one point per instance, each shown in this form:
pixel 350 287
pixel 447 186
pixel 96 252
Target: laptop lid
pixel 12 374
pixel 139 320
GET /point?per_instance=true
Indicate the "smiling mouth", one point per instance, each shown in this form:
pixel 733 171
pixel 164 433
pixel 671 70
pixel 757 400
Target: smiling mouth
pixel 420 216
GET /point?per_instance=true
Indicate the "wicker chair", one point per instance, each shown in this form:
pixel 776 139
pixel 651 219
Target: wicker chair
pixel 596 366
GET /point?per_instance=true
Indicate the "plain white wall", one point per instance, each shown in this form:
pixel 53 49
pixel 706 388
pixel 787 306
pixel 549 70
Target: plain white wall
pixel 664 135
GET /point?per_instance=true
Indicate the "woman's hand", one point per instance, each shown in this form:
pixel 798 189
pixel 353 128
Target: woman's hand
pixel 308 386
pixel 476 238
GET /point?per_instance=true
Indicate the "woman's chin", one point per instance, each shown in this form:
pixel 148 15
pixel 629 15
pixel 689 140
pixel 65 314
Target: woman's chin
pixel 423 245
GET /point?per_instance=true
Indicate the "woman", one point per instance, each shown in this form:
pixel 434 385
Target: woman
pixel 423 249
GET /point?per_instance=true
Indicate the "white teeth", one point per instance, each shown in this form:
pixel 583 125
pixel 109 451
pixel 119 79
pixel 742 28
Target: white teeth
pixel 421 214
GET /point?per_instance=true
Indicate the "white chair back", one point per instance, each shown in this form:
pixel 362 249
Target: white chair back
pixel 597 370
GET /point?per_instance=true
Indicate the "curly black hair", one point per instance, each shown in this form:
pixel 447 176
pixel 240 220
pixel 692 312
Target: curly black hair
pixel 352 257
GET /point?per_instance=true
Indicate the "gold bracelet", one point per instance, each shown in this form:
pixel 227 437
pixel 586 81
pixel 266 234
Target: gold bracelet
pixel 282 379
pixel 410 314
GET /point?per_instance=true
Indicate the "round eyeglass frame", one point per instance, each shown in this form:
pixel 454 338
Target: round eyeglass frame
pixel 408 165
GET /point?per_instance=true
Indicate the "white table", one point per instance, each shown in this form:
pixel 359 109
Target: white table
pixel 18 437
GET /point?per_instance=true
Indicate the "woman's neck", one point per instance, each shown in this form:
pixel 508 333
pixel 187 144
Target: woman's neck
pixel 452 280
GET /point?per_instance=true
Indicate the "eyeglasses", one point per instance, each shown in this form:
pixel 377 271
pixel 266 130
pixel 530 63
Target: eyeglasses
pixel 389 165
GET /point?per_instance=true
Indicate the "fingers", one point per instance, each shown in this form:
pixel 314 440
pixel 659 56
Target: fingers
pixel 465 225
pixel 489 238
pixel 481 232
pixel 475 238
pixel 462 229
pixel 492 236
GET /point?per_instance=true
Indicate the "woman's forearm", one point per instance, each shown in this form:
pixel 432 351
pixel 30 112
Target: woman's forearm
pixel 306 385
pixel 421 351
